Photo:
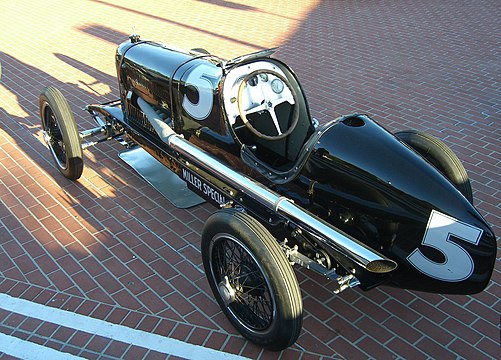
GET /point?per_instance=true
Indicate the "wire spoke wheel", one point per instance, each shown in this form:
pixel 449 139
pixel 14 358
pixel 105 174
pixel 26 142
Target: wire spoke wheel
pixel 252 279
pixel 252 301
pixel 60 133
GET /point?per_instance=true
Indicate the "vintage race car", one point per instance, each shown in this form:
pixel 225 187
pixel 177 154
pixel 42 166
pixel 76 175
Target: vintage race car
pixel 346 198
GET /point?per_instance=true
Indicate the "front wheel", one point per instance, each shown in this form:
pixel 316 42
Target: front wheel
pixel 251 279
pixel 60 133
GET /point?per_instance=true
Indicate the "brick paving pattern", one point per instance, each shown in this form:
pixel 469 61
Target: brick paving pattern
pixel 110 247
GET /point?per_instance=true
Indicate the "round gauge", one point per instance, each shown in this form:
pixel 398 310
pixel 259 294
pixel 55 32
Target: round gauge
pixel 263 77
pixel 277 86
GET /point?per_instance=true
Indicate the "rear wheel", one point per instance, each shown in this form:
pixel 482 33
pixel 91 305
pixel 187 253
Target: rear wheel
pixel 440 156
pixel 252 279
pixel 60 133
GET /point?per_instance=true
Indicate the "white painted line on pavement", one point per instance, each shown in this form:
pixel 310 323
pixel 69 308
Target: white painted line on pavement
pixel 111 331
pixel 27 350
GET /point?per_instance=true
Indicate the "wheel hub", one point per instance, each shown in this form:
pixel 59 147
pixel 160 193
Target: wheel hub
pixel 226 291
pixel 46 137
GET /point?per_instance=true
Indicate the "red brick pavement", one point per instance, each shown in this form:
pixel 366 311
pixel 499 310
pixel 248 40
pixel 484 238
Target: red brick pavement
pixel 110 247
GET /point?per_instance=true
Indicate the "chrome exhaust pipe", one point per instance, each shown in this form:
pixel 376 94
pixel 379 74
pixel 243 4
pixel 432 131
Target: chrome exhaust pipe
pixel 330 237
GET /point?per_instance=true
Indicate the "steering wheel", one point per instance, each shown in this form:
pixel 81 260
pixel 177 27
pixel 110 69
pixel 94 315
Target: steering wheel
pixel 268 105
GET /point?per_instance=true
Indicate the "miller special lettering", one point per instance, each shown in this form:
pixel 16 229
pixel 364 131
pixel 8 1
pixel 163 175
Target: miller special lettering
pixel 202 187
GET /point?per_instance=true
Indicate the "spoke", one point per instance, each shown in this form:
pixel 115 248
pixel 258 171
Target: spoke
pixel 283 99
pixel 223 266
pixel 228 251
pixel 275 119
pixel 245 275
pixel 263 309
pixel 258 309
pixel 257 108
pixel 229 260
pixel 257 287
pixel 251 300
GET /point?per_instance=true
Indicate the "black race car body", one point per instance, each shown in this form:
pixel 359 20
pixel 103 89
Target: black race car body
pixel 346 198
pixel 350 172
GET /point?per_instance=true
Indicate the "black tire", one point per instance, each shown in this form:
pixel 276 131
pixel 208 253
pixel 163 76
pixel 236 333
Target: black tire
pixel 440 156
pixel 252 279
pixel 61 133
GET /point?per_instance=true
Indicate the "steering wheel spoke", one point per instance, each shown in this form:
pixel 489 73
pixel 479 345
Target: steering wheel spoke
pixel 282 99
pixel 255 109
pixel 273 115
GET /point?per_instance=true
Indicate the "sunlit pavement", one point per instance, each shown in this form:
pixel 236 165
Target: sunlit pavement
pixel 106 267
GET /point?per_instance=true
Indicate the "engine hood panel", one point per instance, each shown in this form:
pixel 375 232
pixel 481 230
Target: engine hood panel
pixel 361 159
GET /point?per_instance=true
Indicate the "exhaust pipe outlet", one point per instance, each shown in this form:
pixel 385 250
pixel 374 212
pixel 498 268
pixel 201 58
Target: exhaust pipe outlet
pixel 330 237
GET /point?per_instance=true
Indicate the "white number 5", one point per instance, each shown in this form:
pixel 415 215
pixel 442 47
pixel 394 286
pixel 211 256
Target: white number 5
pixel 201 78
pixel 458 264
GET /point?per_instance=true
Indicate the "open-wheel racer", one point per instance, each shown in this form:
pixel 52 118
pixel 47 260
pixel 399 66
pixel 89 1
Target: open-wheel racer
pixel 347 198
